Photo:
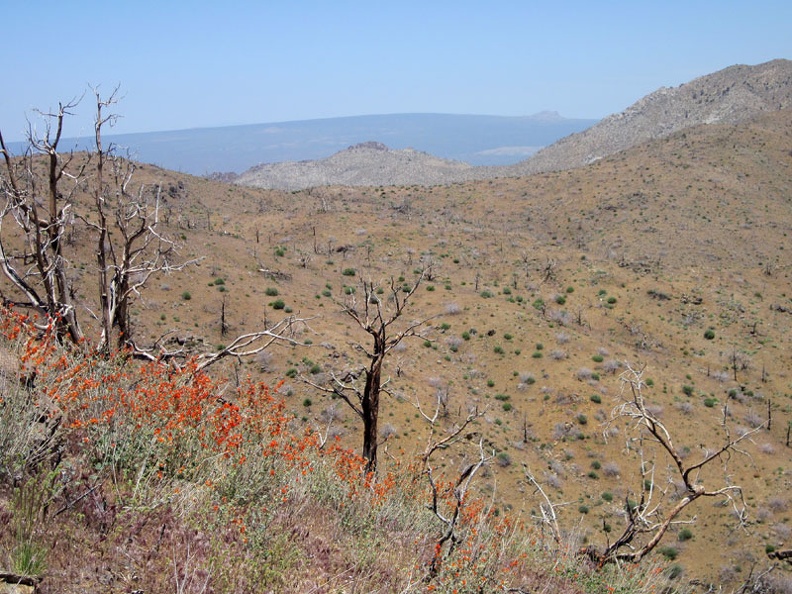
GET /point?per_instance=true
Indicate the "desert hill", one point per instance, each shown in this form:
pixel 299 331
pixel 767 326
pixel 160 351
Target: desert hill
pixel 728 96
pixel 365 164
pixel 670 255
pixel 545 287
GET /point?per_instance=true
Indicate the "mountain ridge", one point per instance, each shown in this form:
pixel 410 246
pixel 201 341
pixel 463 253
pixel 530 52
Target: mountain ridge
pixel 730 95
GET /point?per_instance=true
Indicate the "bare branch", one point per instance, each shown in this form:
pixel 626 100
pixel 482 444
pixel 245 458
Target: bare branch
pixel 646 519
pixel 253 343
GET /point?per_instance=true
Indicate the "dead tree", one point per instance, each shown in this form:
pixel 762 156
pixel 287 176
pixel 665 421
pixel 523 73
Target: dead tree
pixel 378 315
pixel 450 517
pixel 130 248
pixel 453 434
pixel 48 195
pixel 124 222
pixel 647 520
pixel 40 209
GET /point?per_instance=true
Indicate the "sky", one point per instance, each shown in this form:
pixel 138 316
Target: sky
pixel 192 64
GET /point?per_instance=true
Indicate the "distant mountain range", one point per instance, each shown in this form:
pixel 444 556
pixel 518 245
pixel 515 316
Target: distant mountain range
pixel 473 139
pixel 732 95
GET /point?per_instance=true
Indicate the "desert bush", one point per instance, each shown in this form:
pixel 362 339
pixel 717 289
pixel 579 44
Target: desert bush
pixel 452 309
pixel 778 504
pixel 527 378
pixel 753 420
pixel 767 448
pixel 560 317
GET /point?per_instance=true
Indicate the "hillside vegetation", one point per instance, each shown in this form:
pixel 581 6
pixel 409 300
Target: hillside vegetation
pixel 539 292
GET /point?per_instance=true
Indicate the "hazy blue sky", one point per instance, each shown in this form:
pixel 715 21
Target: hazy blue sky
pixel 186 64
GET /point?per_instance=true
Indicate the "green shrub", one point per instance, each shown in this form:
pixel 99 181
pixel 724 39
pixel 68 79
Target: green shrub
pixel 709 334
pixel 595 398
pixel 278 304
pixel 186 296
pixel 675 571
pixel 685 534
pixel 271 292
pixel 688 390
pixel 669 553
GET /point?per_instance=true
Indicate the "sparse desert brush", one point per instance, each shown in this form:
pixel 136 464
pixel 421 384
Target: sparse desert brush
pixel 198 485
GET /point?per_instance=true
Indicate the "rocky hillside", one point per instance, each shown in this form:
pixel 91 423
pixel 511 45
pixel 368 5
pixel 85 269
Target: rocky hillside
pixel 728 96
pixel 365 164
